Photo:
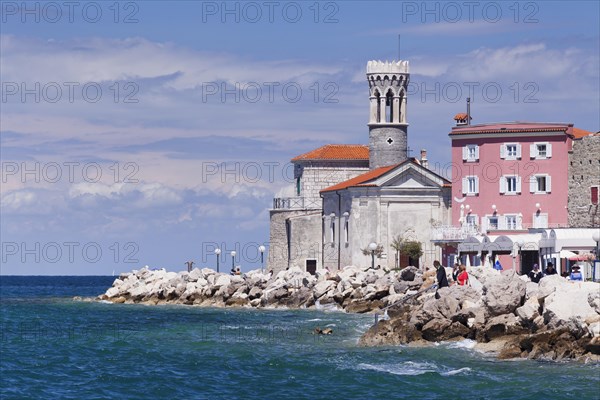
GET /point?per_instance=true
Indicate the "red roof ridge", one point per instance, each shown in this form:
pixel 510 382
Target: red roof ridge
pixel 578 133
pixel 336 152
pixel 361 179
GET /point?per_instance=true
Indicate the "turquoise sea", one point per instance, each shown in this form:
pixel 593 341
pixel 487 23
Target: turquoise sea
pixel 55 348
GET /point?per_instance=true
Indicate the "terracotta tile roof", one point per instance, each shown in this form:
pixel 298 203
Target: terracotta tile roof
pixel 336 152
pixel 579 133
pixel 509 127
pixel 460 116
pixel 519 127
pixel 361 180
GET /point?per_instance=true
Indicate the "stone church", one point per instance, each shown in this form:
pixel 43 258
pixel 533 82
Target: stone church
pixel 348 196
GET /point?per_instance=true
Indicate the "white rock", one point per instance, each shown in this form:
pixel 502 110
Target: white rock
pixel 222 280
pixel 323 287
pixel 569 302
pixel 112 292
pixel 527 312
pixel 194 275
pixel 138 291
pixel 201 282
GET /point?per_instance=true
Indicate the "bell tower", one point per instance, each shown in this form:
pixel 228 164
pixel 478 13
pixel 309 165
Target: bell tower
pixel 388 84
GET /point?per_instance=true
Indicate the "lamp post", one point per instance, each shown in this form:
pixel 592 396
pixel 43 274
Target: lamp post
pixel 596 269
pixel 218 253
pixel 262 260
pixel 373 247
pixel 520 242
pixel 233 260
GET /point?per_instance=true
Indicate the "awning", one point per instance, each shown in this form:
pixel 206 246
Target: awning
pixel 567 254
pixel 472 244
pixel 577 239
pixel 531 242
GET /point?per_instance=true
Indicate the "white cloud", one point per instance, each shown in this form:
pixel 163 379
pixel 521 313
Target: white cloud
pixel 18 199
pixel 135 58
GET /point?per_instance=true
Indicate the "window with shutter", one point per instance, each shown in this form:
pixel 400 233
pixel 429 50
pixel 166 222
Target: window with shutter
pixel 594 195
pixel 532 184
pixel 532 151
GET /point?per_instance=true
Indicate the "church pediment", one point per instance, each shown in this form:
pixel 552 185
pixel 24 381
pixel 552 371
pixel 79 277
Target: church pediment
pixel 410 176
pixel 409 179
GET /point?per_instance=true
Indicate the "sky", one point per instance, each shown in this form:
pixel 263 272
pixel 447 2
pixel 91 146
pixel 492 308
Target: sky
pixel 141 133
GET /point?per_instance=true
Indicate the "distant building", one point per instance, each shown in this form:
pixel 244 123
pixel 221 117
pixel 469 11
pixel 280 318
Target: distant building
pixel 295 220
pixel 369 194
pixel 397 202
pixel 584 182
pixel 512 180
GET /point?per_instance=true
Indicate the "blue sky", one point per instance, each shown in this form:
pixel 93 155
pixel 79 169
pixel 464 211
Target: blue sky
pixel 147 133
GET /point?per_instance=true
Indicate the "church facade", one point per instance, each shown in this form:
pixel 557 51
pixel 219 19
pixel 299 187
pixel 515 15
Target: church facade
pixel 348 196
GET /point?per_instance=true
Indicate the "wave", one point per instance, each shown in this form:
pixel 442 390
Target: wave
pixel 456 371
pixel 411 368
pixel 405 368
pixel 463 344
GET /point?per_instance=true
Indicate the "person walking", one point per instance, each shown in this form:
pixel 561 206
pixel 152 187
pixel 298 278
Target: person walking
pixel 442 279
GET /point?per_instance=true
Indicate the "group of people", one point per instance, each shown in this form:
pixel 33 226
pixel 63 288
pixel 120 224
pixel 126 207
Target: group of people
pixel 536 274
pixel 459 275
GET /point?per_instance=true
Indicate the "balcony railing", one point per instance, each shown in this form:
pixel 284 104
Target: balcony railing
pixel 295 203
pixel 453 233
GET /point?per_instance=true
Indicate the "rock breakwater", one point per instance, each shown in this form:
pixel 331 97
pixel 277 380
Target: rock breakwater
pixel 352 289
pixel 506 314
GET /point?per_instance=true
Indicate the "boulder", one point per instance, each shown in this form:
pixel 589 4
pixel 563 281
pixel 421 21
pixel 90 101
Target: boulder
pixel 323 287
pixel 569 304
pixel 527 312
pixel 594 300
pixel 222 280
pixel 434 329
pixel 399 287
pixel 363 306
pixel 503 294
pixel 113 291
pixel 194 275
pixel 502 325
pixel 255 293
pixel 408 273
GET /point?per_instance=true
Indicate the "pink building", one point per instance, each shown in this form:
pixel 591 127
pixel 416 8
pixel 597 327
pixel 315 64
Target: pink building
pixel 508 178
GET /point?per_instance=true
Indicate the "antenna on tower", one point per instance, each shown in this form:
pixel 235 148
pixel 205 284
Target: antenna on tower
pixel 399 47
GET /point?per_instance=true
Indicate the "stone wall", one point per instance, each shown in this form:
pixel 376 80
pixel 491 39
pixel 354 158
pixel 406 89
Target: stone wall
pixel 305 239
pixel 584 172
pixel 315 177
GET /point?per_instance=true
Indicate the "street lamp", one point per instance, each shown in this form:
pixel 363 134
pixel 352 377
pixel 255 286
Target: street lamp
pixel 596 270
pixel 373 247
pixel 233 260
pixel 520 242
pixel 218 253
pixel 262 261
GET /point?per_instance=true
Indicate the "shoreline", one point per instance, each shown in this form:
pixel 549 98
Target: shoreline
pixel 506 315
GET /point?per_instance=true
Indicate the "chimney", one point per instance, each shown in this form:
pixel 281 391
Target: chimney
pixel 423 160
pixel 468 111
